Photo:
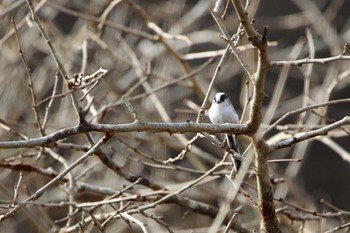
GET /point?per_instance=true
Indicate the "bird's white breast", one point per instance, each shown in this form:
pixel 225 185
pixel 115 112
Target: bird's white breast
pixel 223 113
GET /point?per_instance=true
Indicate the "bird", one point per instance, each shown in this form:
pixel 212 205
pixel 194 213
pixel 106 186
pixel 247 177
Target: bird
pixel 222 111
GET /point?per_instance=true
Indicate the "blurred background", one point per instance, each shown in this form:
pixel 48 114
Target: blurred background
pixel 151 68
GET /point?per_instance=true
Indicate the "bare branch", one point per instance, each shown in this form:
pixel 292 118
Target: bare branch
pixel 310 60
pixel 310 134
pixel 30 81
pixel 155 127
pixel 40 191
pixel 55 56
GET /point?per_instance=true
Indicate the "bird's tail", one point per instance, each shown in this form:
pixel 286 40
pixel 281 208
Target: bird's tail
pixel 232 142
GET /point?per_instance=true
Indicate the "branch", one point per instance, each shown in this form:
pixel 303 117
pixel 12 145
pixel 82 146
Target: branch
pixel 242 14
pixel 310 134
pixel 40 191
pixel 269 221
pixel 30 80
pixel 232 45
pixel 155 127
pixel 160 38
pixel 304 109
pixel 265 193
pixel 59 64
pixel 310 60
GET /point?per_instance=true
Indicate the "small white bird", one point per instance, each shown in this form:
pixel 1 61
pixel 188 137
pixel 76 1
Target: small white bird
pixel 222 111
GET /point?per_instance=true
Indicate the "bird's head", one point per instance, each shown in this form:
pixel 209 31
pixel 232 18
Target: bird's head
pixel 221 97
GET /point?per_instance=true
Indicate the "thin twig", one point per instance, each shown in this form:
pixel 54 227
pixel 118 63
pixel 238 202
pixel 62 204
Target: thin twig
pixel 307 108
pixel 228 40
pixel 40 191
pixel 30 81
pixel 311 134
pixel 48 106
pixel 55 57
pixel 307 74
pixel 15 189
pixel 161 39
pixel 310 60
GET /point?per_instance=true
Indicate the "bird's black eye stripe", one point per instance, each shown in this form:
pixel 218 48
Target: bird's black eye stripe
pixel 219 98
pixel 223 97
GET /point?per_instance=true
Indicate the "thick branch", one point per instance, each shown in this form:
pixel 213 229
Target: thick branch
pixel 266 204
pixel 258 93
pixel 155 127
pixel 267 209
pixel 243 18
